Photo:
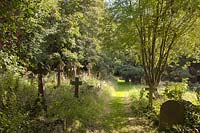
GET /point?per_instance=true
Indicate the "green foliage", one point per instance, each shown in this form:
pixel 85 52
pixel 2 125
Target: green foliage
pixel 40 36
pixel 80 113
pixel 140 108
pixel 192 115
pixel 129 71
pixel 176 73
pixel 16 100
pixel 174 90
pixel 9 63
pixel 139 105
pixel 196 88
pixel 21 111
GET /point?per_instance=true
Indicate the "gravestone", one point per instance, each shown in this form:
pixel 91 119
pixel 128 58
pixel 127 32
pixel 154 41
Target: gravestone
pixel 171 113
pixel 76 83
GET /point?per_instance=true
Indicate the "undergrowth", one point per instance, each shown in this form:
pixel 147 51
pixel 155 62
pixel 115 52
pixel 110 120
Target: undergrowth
pixel 64 112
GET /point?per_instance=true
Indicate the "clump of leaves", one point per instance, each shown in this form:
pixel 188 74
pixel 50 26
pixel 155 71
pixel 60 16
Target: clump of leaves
pixel 175 90
pixel 129 71
pixel 16 100
pixel 179 74
pixel 196 87
pixel 141 108
pixel 192 115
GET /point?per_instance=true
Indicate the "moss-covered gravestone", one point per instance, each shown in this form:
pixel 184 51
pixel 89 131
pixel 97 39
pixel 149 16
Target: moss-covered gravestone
pixel 171 113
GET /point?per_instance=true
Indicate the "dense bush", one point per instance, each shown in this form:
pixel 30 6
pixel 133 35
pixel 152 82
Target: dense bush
pixel 16 100
pixel 175 90
pixel 135 73
pixel 140 107
pixel 196 88
pixel 192 115
pixel 177 74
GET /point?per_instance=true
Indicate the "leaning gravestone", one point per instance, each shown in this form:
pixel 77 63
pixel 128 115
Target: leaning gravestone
pixel 171 113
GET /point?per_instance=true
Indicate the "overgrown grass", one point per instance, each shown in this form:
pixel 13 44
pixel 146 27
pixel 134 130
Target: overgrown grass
pixel 103 106
pixel 84 113
pixel 19 97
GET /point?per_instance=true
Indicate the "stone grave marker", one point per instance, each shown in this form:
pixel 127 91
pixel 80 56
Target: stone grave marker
pixel 171 113
pixel 76 83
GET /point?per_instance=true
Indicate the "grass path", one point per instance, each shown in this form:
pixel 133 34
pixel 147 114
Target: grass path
pixel 120 118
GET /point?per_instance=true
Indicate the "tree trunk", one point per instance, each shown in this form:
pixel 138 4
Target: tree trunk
pixel 75 71
pixel 89 72
pixel 153 91
pixel 59 76
pixel 41 87
pixel 156 94
pixel 63 76
pixel 58 79
pixel 150 97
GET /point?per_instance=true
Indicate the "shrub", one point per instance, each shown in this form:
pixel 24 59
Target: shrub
pixel 174 90
pixel 129 72
pixel 192 115
pixel 196 87
pixel 16 98
pixel 140 107
pixel 178 74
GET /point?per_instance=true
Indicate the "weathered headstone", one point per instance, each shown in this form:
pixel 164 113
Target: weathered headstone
pixel 76 83
pixel 171 113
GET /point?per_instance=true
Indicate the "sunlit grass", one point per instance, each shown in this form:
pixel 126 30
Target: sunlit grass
pixel 120 117
pixel 124 89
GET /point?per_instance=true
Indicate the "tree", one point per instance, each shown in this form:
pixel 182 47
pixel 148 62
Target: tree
pixel 32 17
pixel 90 30
pixel 159 25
